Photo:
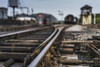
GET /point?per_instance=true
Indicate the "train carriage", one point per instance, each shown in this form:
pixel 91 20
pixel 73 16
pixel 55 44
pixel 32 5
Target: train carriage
pixel 70 19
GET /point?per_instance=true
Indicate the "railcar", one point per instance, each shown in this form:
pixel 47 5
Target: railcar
pixel 70 19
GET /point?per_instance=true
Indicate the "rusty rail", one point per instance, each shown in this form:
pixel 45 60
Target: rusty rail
pixel 94 62
pixel 95 49
pixel 37 49
pixel 20 32
pixel 29 58
pixel 39 57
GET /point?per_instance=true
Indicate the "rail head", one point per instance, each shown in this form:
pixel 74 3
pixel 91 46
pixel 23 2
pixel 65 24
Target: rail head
pixel 38 58
pixel 38 49
pixel 95 49
pixel 20 32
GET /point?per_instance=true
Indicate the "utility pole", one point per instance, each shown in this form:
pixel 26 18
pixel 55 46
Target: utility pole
pixel 13 13
pixel 94 18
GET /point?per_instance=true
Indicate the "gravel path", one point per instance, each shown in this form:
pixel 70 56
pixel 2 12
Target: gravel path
pixel 75 28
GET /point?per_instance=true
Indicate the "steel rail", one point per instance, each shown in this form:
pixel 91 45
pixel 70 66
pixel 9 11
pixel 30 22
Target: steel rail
pixel 20 32
pixel 37 29
pixel 38 58
pixel 95 49
pixel 39 48
pixel 45 42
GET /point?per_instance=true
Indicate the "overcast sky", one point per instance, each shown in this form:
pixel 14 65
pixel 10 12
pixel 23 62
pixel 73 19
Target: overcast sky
pixel 52 6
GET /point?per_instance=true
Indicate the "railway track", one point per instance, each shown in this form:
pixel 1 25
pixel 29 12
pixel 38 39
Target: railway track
pixel 18 49
pixel 8 29
pixel 47 47
pixel 66 50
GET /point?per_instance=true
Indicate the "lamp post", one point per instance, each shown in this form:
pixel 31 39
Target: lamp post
pixel 61 14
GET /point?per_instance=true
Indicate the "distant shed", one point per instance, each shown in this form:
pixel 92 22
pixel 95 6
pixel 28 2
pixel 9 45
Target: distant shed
pixel 43 17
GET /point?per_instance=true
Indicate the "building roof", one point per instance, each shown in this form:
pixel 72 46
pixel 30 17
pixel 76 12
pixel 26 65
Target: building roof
pixel 86 7
pixel 36 15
